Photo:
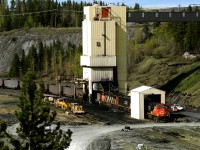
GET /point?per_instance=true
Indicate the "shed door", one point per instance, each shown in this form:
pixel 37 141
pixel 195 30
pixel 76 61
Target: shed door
pixel 150 101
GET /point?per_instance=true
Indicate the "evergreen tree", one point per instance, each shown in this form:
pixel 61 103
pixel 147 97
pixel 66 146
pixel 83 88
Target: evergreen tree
pixel 3 135
pixel 33 58
pixel 15 67
pixel 189 9
pixel 29 22
pixel 23 63
pixel 34 116
pixel 47 58
pixel 196 9
pixel 19 19
pixel 60 56
pixel 77 69
pixel 137 6
pixel 2 12
pixel 146 31
pixel 67 15
pixel 41 57
pixel 178 30
pixel 53 60
pixel 7 21
pixel 12 5
pixel 191 37
pixel 7 139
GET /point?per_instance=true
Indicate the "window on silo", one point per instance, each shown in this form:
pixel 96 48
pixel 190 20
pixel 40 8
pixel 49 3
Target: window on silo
pixel 98 44
pixel 105 12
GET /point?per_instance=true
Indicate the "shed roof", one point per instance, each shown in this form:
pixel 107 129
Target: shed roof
pixel 141 89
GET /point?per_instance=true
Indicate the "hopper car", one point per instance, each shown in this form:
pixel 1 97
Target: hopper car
pixel 10 84
pixel 53 89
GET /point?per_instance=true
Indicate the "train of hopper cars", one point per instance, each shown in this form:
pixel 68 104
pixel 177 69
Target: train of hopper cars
pixel 56 90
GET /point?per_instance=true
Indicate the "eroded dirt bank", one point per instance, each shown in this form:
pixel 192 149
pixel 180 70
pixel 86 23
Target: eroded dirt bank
pixel 184 136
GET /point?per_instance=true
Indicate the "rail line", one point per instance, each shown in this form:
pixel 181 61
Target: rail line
pixel 108 116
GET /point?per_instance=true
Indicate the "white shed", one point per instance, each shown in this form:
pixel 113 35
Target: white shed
pixel 142 97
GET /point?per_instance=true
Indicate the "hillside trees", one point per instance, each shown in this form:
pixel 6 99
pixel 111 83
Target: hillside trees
pixel 186 36
pixel 40 13
pixel 52 59
pixel 77 69
pixel 157 42
pixel 73 54
pixel 191 39
pixel 3 11
pixel 174 38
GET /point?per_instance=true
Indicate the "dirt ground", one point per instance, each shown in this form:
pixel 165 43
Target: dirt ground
pixel 8 106
pixel 86 128
pixel 156 138
pixel 153 136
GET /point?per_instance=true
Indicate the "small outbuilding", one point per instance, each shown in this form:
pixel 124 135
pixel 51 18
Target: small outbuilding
pixel 143 100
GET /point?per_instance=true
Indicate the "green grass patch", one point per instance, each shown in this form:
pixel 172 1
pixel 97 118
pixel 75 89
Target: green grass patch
pixel 190 84
pixel 146 65
pixel 8 99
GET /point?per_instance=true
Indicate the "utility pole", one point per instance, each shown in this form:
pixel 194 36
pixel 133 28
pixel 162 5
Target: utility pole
pixel 59 84
pixel 55 17
pixel 74 88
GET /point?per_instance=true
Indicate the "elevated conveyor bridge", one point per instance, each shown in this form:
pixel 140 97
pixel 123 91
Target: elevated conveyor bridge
pixel 163 16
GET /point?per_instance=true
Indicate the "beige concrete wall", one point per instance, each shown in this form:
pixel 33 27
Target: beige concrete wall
pixel 141 106
pixel 97 36
pixel 119 15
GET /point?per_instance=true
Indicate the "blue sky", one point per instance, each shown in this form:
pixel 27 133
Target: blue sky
pixel 147 3
pixel 151 3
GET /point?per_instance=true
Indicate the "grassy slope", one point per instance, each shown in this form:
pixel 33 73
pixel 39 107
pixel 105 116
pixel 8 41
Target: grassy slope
pixel 158 72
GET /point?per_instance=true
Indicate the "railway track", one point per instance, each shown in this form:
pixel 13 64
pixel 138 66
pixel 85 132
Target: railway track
pixel 108 116
pixel 10 92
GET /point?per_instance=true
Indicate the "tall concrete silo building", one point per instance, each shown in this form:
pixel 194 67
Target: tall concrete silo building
pixel 104 58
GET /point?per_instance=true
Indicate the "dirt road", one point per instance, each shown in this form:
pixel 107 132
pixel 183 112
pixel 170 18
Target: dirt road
pixel 97 136
pixel 101 137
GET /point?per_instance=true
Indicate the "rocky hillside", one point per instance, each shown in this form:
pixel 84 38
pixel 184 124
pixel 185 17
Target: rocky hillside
pixel 14 41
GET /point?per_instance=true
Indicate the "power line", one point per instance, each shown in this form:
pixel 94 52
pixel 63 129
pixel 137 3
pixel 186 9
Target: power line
pixel 38 12
pixel 72 11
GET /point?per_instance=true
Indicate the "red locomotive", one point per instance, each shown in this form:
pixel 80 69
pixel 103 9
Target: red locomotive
pixel 160 112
